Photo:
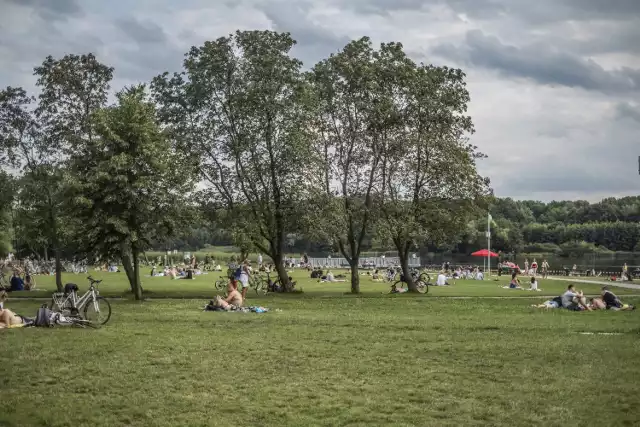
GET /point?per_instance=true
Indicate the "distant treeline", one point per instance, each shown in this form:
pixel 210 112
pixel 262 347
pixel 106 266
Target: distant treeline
pixel 561 228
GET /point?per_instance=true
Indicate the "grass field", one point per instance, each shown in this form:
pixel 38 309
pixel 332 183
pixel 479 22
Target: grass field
pixel 115 284
pixel 325 359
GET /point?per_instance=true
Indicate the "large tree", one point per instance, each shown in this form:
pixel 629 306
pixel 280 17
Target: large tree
pixel 25 146
pixel 351 142
pixel 128 182
pixel 430 186
pixel 36 137
pixel 243 107
pixel 6 203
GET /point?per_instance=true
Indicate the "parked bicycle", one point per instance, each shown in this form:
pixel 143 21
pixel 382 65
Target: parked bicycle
pixel 421 280
pixel 90 306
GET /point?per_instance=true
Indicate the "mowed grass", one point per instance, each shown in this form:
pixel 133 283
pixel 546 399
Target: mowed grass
pixel 332 361
pixel 116 285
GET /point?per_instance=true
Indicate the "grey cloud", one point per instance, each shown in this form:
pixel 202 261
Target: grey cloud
pixel 625 110
pixel 314 42
pixel 540 63
pixel 50 9
pixel 142 31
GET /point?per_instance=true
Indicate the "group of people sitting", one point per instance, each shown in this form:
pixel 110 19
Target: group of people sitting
pixel 515 283
pixel 318 273
pixel 20 281
pixel 575 300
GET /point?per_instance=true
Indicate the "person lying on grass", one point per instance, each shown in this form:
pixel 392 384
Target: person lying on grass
pixel 612 302
pixel 331 278
pixel 574 300
pixel 233 299
pixel 7 317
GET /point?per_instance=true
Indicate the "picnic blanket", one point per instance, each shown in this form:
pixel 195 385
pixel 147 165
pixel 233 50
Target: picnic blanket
pixel 234 309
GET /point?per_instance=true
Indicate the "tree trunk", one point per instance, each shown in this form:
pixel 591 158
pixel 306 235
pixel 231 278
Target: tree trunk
pixel 58 270
pixel 129 268
pixel 56 252
pixel 282 272
pixel 46 253
pixel 136 285
pixel 406 271
pixel 355 276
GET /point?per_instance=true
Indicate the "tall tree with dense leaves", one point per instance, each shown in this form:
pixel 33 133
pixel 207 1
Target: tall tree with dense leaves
pixel 351 138
pixel 129 185
pixel 6 203
pixel 36 137
pixel 430 186
pixel 244 108
pixel 39 194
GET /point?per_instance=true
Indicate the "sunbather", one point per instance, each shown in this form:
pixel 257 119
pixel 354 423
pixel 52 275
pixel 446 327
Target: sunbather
pixel 7 317
pixel 233 299
pixel 612 302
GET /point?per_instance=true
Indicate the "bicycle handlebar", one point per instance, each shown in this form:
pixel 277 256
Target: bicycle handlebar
pixel 94 281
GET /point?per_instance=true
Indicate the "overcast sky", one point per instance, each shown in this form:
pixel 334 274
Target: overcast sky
pixel 555 84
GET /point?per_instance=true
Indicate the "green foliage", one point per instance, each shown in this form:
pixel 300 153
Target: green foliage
pixel 242 110
pixel 6 201
pixel 128 186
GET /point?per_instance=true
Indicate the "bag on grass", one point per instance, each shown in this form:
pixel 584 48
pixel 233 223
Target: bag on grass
pixel 43 317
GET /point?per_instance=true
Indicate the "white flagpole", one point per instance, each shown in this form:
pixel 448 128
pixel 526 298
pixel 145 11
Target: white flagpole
pixel 489 245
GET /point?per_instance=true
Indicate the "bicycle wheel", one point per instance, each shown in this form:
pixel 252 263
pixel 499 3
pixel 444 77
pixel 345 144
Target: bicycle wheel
pixel 261 288
pixel 422 287
pixel 220 284
pixel 398 285
pixel 98 311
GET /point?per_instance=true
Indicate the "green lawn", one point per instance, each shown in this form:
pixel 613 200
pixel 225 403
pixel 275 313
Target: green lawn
pixel 325 359
pixel 115 284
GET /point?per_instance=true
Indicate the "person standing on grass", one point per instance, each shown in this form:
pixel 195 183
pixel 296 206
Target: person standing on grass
pixel 526 266
pixel 259 260
pixel 244 278
pixel 534 267
pixel 625 272
pixel 545 269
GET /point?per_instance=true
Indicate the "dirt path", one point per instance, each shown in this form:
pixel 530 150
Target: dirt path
pixel 599 282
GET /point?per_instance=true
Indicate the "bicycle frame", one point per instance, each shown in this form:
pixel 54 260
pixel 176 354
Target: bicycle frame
pixel 75 302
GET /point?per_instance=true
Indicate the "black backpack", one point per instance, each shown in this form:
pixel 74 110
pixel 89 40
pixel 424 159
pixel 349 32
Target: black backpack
pixel 558 300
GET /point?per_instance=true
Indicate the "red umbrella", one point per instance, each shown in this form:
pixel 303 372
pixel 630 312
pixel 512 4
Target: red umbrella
pixel 485 253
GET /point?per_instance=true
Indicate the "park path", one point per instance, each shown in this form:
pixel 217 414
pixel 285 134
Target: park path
pixel 599 282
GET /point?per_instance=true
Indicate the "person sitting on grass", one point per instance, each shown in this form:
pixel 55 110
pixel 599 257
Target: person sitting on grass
pixel 574 300
pixel 612 302
pixel 442 279
pixel 233 299
pixel 534 284
pixel 29 282
pixel 331 278
pixel 16 283
pixel 515 282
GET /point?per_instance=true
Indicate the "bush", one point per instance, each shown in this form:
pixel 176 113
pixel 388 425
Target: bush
pixel 543 248
pixel 579 249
